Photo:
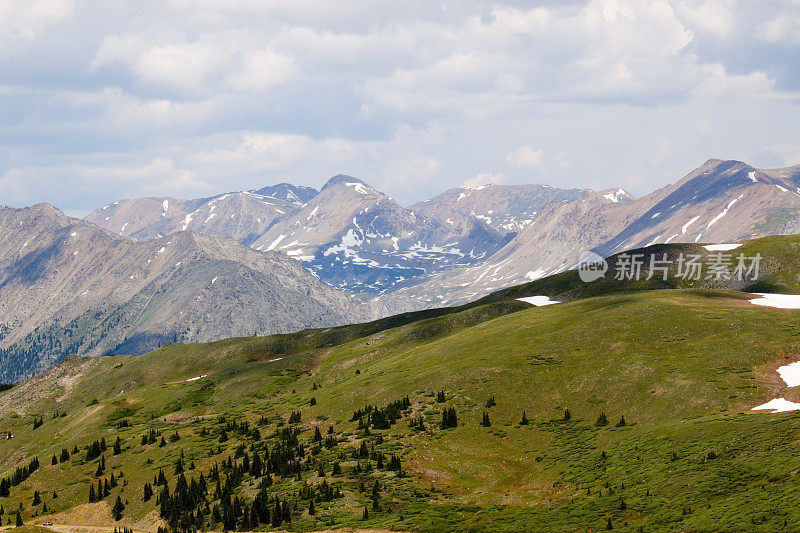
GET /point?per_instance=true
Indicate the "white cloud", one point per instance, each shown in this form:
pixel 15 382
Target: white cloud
pixel 210 95
pixel 486 178
pixel 784 28
pixel 26 20
pixel 526 157
pixel 261 70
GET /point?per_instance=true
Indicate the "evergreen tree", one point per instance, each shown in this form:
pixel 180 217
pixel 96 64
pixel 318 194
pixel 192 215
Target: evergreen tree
pixel 490 403
pixel 440 398
pixel 92 497
pixel 567 414
pixel 486 422
pixel 19 522
pixel 54 461
pixel 117 509
pixel 602 420
pixel 449 418
pixel 524 421
pixel 311 509
pixel 117 447
pixel 365 514
pixel 621 422
pixel 37 499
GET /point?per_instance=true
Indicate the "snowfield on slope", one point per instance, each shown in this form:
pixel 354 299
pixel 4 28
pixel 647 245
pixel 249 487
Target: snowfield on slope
pixel 790 374
pixel 779 301
pixel 538 301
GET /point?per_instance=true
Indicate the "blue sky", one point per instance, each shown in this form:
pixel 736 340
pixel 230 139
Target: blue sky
pixel 104 100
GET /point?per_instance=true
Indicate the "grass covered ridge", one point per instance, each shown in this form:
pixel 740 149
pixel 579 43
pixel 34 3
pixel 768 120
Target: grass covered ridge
pixel 682 367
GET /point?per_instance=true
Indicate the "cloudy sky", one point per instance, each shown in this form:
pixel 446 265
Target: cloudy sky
pixel 108 99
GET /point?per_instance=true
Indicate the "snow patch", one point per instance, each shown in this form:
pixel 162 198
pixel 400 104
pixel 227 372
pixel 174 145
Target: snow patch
pixel 535 274
pixel 779 301
pixel 778 405
pixel 615 195
pixel 790 374
pixel 724 212
pixel 538 301
pixel 275 243
pixel 722 247
pixel 686 226
pixel 186 220
pixel 360 188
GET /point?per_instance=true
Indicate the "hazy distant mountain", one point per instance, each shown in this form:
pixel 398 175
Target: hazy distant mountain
pixel 504 208
pixel 295 194
pixel 241 216
pixel 350 235
pixel 467 242
pixel 356 238
pixel 68 286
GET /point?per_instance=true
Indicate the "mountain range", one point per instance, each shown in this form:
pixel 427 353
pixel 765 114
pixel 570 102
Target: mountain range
pixel 68 286
pixel 630 406
pixel 140 273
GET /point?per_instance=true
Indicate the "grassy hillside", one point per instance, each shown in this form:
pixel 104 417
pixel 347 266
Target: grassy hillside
pixel 683 367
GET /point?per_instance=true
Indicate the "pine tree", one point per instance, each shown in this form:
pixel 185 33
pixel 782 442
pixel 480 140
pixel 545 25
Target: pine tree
pixel 19 520
pixel 365 515
pixel 490 403
pixel 609 526
pixel 37 499
pixel 440 398
pixel 117 447
pixel 92 497
pixel 602 420
pixel 118 508
pixel 486 422
pixel 567 415
pixel 524 421
pixel 449 418
pixel 311 509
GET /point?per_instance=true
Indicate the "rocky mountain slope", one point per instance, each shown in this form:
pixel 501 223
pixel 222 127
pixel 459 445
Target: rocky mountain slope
pixel 68 286
pixel 496 416
pixel 350 235
pixel 721 201
pixel 468 242
pixel 356 238
pixel 241 216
